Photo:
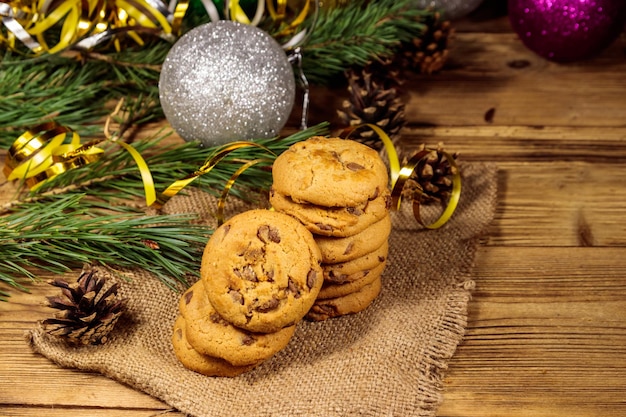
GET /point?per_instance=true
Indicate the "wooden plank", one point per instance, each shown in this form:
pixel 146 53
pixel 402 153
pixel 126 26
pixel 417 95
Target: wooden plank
pixel 523 143
pixel 15 411
pixel 493 79
pixel 560 204
pixel 546 335
pixel 545 323
pixel 496 72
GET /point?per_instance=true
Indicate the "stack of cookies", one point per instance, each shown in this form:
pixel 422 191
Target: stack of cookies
pixel 260 275
pixel 338 189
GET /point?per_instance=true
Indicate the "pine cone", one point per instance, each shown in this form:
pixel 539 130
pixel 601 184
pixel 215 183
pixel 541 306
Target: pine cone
pixel 374 99
pixel 431 180
pixel 428 53
pixel 87 312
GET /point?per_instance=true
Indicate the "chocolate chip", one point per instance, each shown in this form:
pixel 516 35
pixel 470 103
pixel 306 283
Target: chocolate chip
pixel 388 202
pixel 179 333
pixel 323 226
pixel 311 279
pixel 252 255
pixel 354 210
pixel 293 288
pixel 188 296
pixel 236 296
pixel 381 259
pixel 268 234
pixel 336 277
pixel 270 275
pixel 349 248
pixel 268 305
pixel 217 319
pixel 353 166
pixel 246 273
pixel 247 340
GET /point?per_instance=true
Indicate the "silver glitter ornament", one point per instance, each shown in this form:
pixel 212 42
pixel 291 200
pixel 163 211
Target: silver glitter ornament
pixel 451 9
pixel 225 81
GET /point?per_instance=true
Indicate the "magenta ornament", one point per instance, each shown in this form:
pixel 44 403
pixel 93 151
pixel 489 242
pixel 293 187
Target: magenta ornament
pixel 567 30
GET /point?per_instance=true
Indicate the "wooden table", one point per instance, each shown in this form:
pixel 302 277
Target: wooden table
pixel 547 323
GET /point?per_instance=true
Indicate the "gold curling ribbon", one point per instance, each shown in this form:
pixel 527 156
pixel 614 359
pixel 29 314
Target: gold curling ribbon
pixel 400 174
pixel 231 181
pixel 85 23
pixel 277 11
pixel 212 161
pixel 40 154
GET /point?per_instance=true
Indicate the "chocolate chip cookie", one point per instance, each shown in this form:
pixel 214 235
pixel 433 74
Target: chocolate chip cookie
pixel 195 361
pixel 261 270
pixel 349 304
pixel 349 271
pixel 330 172
pixel 343 249
pixel 334 221
pixel 209 334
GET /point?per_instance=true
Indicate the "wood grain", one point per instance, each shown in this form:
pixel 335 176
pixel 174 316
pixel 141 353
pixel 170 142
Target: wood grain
pixel 547 328
pixel 549 342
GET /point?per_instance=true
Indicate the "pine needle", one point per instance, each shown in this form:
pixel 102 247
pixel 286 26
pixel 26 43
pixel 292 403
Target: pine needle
pixel 68 231
pixel 358 33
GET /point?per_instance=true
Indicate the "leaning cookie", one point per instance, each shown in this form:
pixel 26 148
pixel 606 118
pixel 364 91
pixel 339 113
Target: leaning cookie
pixel 349 304
pixel 329 172
pixel 203 364
pixel 210 334
pixel 343 249
pixel 261 270
pixel 334 221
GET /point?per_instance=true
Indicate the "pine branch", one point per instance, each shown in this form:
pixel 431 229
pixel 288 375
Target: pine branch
pixel 358 33
pixel 75 93
pixel 71 230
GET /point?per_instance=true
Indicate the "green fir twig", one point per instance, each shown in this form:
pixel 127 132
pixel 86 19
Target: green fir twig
pixel 358 33
pixel 70 230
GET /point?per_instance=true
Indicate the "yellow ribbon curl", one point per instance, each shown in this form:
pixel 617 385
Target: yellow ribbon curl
pixel 40 154
pixel 84 24
pixel 400 174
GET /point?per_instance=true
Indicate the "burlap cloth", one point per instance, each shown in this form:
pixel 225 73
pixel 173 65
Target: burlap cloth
pixel 388 360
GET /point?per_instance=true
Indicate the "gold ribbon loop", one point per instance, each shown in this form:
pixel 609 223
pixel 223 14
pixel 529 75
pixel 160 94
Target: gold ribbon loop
pixel 41 154
pixel 229 184
pixel 212 161
pixel 86 23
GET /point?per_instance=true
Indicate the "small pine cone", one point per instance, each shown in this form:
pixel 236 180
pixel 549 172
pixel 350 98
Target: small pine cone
pixel 87 313
pixel 428 53
pixel 431 180
pixel 374 99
